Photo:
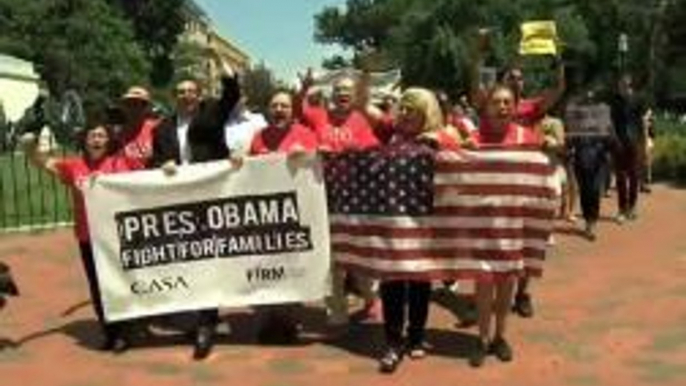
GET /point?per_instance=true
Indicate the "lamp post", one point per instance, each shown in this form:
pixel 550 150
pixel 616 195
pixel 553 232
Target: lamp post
pixel 623 46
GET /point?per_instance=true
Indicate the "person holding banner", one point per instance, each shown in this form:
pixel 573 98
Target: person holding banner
pixel 98 157
pixel 349 124
pixel 528 111
pixel 284 134
pixel 278 323
pixel 419 125
pixel 499 128
pixel 196 134
pixel 589 148
pixel 136 135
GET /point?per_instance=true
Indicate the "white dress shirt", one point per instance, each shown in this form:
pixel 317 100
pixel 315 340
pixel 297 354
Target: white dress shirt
pixel 240 129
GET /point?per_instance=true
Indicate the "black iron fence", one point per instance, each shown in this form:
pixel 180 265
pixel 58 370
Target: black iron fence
pixel 30 198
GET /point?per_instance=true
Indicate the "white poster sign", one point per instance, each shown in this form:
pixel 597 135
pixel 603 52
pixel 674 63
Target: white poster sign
pixel 210 236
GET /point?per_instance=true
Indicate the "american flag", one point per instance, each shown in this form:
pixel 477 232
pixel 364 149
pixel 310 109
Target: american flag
pixel 441 215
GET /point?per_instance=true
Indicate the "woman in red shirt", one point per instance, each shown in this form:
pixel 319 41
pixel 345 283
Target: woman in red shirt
pixel 498 129
pixel 75 171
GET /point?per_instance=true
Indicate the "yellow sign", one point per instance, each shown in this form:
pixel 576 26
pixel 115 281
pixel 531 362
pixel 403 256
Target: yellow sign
pixel 538 38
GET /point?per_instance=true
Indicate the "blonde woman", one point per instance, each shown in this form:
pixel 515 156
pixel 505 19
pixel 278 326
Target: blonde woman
pixel 419 124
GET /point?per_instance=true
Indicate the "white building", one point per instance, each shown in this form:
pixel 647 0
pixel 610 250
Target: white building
pixel 18 86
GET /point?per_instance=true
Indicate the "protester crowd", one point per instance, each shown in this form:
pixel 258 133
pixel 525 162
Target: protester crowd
pixel 205 129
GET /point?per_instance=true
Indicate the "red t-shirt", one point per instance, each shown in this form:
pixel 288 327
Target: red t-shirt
pixel 137 147
pixel 447 141
pixel 336 135
pixel 530 111
pixel 74 172
pixel 273 139
pixel 514 135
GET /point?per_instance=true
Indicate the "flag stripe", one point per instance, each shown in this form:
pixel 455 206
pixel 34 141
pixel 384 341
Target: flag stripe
pixel 440 222
pixel 417 265
pixel 437 253
pixel 407 244
pixel 435 232
pixel 496 167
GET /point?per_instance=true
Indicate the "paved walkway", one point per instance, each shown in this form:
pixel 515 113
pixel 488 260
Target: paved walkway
pixel 611 312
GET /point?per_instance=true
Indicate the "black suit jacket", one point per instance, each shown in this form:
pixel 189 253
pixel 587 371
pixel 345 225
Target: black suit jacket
pixel 165 143
pixel 205 132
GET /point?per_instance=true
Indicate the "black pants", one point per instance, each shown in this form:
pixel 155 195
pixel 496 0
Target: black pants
pixel 627 172
pixel 397 296
pixel 591 184
pixel 89 267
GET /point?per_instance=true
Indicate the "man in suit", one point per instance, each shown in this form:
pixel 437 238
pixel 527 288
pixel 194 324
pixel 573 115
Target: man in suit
pixel 195 133
pixel 170 142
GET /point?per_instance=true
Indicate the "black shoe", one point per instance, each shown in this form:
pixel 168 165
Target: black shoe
pixel 279 332
pixel 501 349
pixel 523 305
pixel 204 339
pixel 390 360
pixel 120 345
pixel 470 315
pixel 114 341
pixel 478 354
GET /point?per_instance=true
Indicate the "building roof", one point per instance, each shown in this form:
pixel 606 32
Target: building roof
pixel 194 10
pixel 14 67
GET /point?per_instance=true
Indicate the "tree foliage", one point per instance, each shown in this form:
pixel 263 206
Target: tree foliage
pixel 259 85
pixel 434 41
pixel 76 44
pixel 156 25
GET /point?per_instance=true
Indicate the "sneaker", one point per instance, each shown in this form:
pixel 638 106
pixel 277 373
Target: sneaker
pixel 620 219
pixel 589 232
pixel 631 215
pixel 523 305
pixel 390 360
pixel 501 349
pixel 478 354
pixel 417 350
pixel 551 240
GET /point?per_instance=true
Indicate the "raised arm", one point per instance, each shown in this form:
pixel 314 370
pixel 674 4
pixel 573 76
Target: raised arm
pixel 477 91
pixel 300 102
pixel 38 158
pixel 231 90
pixel 553 95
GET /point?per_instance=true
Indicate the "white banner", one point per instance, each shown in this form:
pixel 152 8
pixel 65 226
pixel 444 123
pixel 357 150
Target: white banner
pixel 210 236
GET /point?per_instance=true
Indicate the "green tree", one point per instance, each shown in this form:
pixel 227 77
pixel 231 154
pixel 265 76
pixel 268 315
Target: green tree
pixel 82 45
pixel 157 25
pixel 433 41
pixel 259 85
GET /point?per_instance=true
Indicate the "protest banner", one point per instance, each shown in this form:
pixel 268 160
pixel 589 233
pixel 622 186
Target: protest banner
pixel 587 120
pixel 210 236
